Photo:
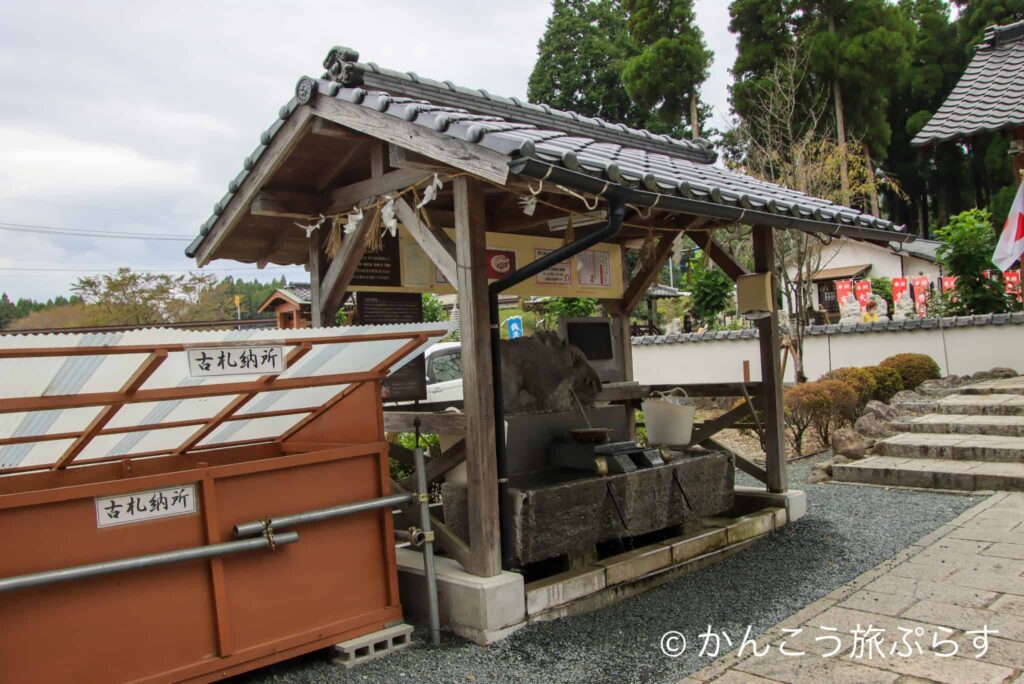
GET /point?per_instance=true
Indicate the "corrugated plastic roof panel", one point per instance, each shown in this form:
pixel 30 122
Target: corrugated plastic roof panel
pixel 41 376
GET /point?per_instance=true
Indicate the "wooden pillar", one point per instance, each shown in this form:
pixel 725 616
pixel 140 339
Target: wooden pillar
pixel 478 392
pixel 771 367
pixel 317 266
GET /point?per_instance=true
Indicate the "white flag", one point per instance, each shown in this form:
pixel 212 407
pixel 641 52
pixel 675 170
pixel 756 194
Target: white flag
pixel 1011 242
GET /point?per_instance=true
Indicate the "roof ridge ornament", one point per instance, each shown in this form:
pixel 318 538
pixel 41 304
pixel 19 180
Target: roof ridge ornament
pixel 342 66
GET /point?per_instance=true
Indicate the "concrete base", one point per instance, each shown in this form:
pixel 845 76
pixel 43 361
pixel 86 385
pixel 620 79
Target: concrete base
pixel 480 609
pixel 372 646
pixel 794 501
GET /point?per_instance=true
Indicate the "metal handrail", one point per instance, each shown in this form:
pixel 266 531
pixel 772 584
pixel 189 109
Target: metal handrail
pixel 140 562
pixel 259 526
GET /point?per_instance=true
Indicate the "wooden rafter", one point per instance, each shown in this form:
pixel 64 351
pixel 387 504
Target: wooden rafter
pixel 352 195
pixel 129 388
pixel 436 243
pixel 640 283
pixel 721 256
pixel 453 457
pixel 237 403
pixel 342 268
pixel 291 132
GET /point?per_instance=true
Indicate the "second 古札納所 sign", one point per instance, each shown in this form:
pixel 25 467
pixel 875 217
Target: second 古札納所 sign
pixel 206 362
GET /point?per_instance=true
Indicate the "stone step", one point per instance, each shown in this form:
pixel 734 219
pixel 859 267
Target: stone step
pixel 1000 386
pixel 956 447
pixel 930 473
pixel 981 404
pixel 950 424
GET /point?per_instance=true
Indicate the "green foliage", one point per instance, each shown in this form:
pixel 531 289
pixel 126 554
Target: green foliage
pixel 860 380
pixel 763 37
pixel 845 405
pixel 433 308
pixel 7 311
pixel 673 60
pixel 913 369
pixel 883 288
pixel 966 252
pixel 580 60
pixel 557 308
pixel 887 382
pixel 999 207
pixel 803 406
pixel 977 15
pixel 710 291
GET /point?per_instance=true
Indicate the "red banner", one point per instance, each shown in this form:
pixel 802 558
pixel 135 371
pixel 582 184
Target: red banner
pixel 921 292
pixel 500 262
pixel 843 288
pixel 862 290
pixel 1012 279
pixel 899 286
pixel 948 283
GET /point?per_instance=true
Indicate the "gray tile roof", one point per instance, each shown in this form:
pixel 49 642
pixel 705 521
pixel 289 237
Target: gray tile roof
pixel 300 291
pixel 659 291
pixel 990 94
pixel 842 329
pixel 708 188
pixel 920 248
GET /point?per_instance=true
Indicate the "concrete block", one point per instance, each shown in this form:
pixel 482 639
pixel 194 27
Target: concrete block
pixel 563 588
pixel 696 544
pixel 372 646
pixel 637 563
pixel 794 500
pixel 750 526
pixel 481 609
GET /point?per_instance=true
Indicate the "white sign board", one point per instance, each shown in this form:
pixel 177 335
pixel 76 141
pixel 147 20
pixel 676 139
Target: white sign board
pixel 594 268
pixel 148 505
pixel 559 274
pixel 204 362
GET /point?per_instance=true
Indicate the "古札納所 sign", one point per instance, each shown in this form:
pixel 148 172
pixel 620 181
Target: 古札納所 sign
pixel 148 505
pixel 241 360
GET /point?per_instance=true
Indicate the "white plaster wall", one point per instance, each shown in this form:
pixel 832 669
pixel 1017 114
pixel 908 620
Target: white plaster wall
pixel 958 351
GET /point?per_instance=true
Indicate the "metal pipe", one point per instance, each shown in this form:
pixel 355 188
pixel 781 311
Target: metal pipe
pixel 413 535
pixel 251 528
pixel 140 562
pixel 616 215
pixel 429 573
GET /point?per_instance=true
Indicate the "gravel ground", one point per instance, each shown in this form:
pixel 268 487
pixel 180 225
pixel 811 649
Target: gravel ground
pixel 848 530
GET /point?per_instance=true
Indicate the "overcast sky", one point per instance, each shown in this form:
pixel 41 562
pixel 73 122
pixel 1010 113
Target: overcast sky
pixel 133 116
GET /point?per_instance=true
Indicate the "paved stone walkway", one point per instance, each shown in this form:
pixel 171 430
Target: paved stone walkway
pixel 965 576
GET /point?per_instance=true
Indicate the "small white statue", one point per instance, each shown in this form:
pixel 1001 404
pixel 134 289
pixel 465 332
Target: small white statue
pixel 882 309
pixel 904 307
pixel 675 326
pixel 849 310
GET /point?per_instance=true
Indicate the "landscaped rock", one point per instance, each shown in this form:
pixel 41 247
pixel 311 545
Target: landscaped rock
pixel 882 411
pixel 872 428
pixel 995 374
pixel 846 442
pixel 943 386
pixel 820 473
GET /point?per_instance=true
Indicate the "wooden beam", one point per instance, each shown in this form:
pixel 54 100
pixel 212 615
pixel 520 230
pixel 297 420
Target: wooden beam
pixel 720 255
pixel 436 243
pixel 771 368
pixel 712 427
pixel 327 129
pixel 477 388
pixel 465 156
pixel 289 135
pixel 749 467
pixel 317 265
pixel 438 467
pixel 285 204
pixel 447 541
pixel 138 378
pixel 640 283
pixel 445 423
pixel 401 158
pixel 350 196
pixel 342 268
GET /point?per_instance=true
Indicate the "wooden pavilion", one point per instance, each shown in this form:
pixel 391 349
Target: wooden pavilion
pixel 496 190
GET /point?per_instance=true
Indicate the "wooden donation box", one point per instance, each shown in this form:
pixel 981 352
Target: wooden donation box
pixel 169 500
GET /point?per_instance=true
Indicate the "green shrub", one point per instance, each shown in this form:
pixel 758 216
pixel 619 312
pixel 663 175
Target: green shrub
pixel 860 380
pixel 913 368
pixel 845 406
pixel 804 406
pixel 887 382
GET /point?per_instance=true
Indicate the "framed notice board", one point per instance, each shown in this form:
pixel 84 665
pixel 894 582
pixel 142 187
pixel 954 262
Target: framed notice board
pixel 408 383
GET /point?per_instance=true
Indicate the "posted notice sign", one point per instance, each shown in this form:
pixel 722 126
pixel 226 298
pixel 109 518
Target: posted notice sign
pixel 204 362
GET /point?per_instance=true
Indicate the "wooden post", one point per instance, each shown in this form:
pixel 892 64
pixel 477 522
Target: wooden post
pixel 317 262
pixel 478 392
pixel 771 368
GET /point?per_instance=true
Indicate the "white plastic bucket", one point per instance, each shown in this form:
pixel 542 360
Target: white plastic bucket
pixel 669 420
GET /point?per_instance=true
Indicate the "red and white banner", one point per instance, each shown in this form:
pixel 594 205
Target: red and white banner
pixel 1011 241
pixel 899 286
pixel 922 290
pixel 1012 279
pixel 843 288
pixel 948 283
pixel 862 291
